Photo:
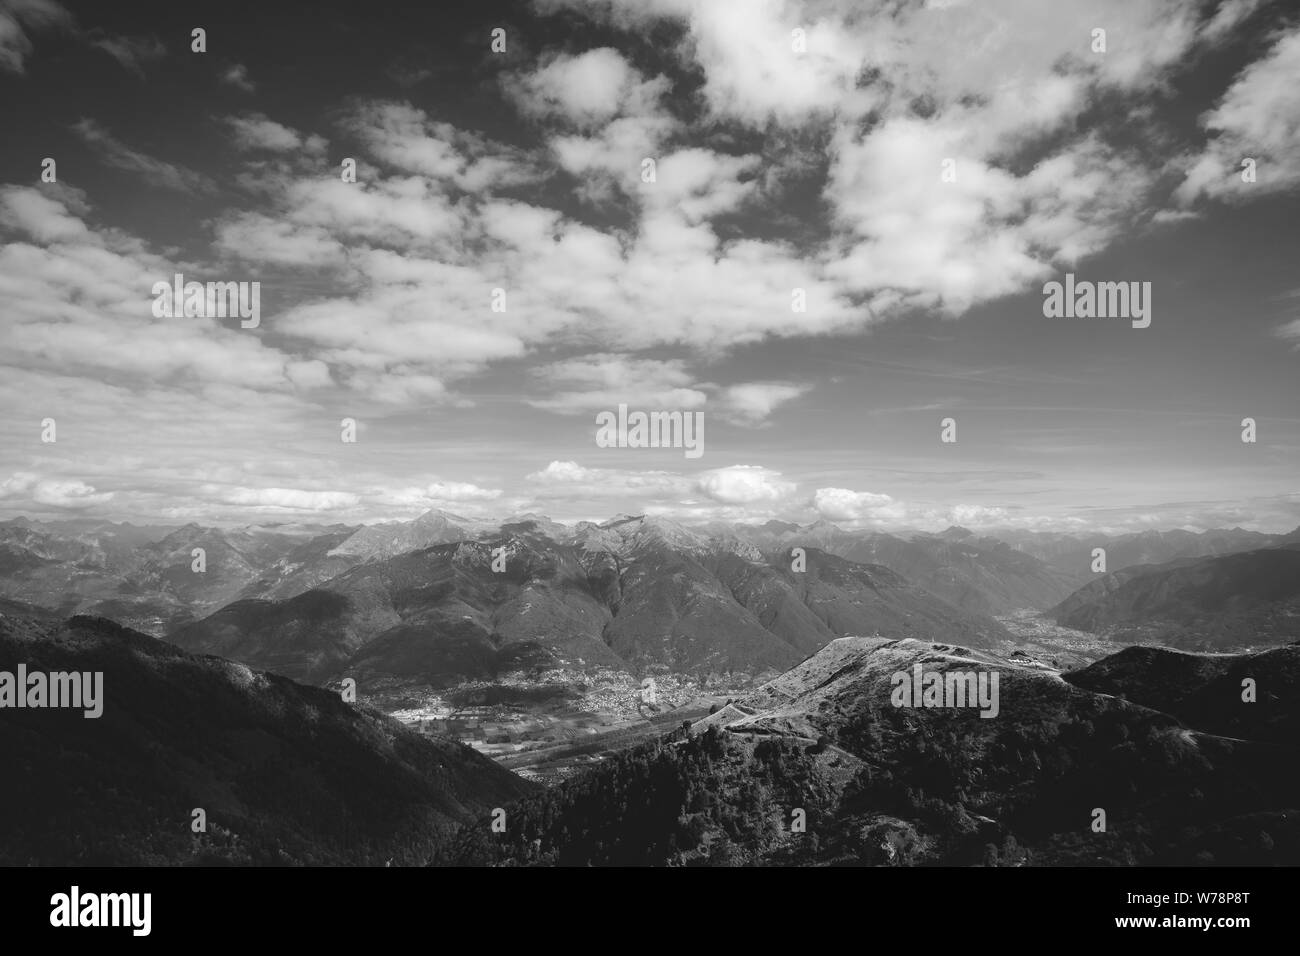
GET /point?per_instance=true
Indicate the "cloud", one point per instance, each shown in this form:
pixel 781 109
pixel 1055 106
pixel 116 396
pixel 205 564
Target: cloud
pixel 54 493
pixel 255 131
pixel 777 172
pixel 1257 118
pixel 289 499
pixel 1290 331
pixel 603 118
pixel 78 302
pixel 21 18
pixel 841 504
pixel 404 139
pixel 131 52
pixel 441 492
pixel 604 381
pixel 255 237
pixel 460 491
pixel 745 485
pixel 1229 15
pixel 117 154
pixel 585 90
pixel 406 74
pixel 423 259
pixel 236 75
pixel 996 88
pixel 44 218
pixel 567 480
pixel 735 486
pixel 865 509
pixel 751 403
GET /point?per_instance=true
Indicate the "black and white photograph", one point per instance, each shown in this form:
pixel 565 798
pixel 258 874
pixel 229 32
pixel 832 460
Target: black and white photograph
pixel 650 434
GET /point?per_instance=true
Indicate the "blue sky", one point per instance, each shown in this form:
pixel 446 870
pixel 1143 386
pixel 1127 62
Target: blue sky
pixel 783 161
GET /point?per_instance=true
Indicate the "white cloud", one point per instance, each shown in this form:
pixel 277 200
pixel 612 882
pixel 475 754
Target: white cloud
pixel 586 89
pixel 256 131
pixel 405 139
pixel 567 480
pixel 745 485
pixel 290 499
pixel 1291 332
pixel 1258 118
pixel 841 504
pixel 51 492
pixel 750 403
pixel 255 237
pixel 460 491
pixel 236 75
pixel 79 302
pixel 44 218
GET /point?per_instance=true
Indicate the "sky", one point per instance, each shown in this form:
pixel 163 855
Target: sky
pixel 917 171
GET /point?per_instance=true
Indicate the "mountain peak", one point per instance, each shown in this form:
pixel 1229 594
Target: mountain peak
pixel 438 515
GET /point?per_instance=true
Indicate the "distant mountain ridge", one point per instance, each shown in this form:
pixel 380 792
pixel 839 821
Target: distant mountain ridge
pixel 634 593
pixel 1072 554
pixel 143 576
pixel 1243 599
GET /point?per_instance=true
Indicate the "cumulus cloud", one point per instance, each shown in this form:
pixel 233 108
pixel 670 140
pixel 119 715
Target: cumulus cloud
pixel 45 218
pixel 236 75
pixel 407 141
pixel 901 90
pixel 256 131
pixel 78 302
pixel 567 480
pixel 584 89
pixel 50 492
pixel 459 491
pixel 255 237
pixel 1258 118
pixel 841 504
pixel 745 485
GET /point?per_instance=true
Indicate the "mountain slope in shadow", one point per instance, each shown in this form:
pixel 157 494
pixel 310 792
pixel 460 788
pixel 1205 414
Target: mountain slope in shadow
pixel 287 774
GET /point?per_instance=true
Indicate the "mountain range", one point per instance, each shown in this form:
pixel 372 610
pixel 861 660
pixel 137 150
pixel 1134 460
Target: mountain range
pixel 633 593
pixel 1250 598
pixel 418 602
